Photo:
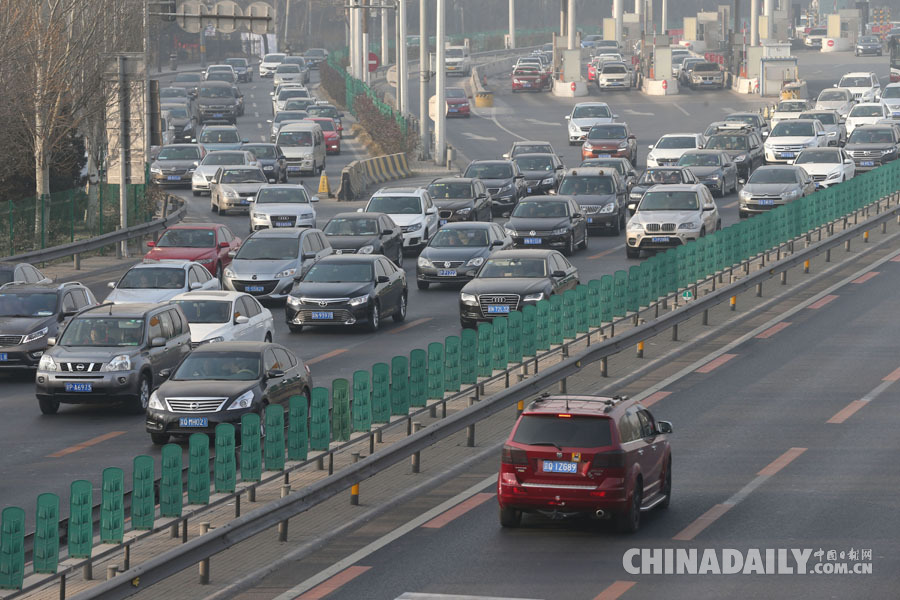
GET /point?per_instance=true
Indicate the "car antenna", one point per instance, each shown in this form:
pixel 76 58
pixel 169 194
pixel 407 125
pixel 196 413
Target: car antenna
pixel 567 403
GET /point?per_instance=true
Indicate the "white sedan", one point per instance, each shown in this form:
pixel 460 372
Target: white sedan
pixel 223 316
pixel 160 281
pixel 827 166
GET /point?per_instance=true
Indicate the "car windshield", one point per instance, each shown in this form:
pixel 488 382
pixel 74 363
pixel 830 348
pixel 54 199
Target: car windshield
pixel 223 158
pixel 617 164
pixel 773 176
pixel 187 238
pixel 662 200
pixel 614 69
pixel 891 91
pixel 489 171
pixel 178 153
pixel 871 136
pixel 290 115
pixel 869 39
pixel 343 226
pixel 315 52
pixel 453 53
pixel 322 111
pixel 696 159
pixel 339 272
pixel 833 96
pixel 531 149
pixel 819 156
pixel 513 267
pixel 326 124
pixel 25 304
pixel 455 93
pixel 269 248
pixel 823 118
pixel 243 176
pixel 205 311
pixel 188 77
pixel 607 132
pixel 236 62
pixel 298 105
pixel 288 68
pixel 537 209
pixel 678 59
pixel 864 82
pixel 580 185
pixel 218 366
pixel 176 112
pixel 262 152
pixel 791 106
pixel 661 176
pixel 792 129
pixel 282 195
pixel 162 278
pixel 395 205
pixel 273 58
pixel 454 238
pixel 728 142
pixel 748 119
pixel 705 66
pixel 451 190
pixel 676 142
pixel 572 432
pixel 867 111
pixel 534 163
pixel 292 93
pixel 220 136
pixel 302 139
pixel 172 92
pixel 223 91
pixel 103 331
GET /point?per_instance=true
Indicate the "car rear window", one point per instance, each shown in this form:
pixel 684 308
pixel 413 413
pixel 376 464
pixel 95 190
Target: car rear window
pixel 571 432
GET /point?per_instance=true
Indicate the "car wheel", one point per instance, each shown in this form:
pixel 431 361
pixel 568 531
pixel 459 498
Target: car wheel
pixel 49 406
pixel 212 206
pixel 667 485
pixel 703 232
pixel 374 318
pixel 719 225
pixel 295 328
pixel 159 439
pixel 570 245
pixel 632 252
pixel 584 241
pixel 400 313
pixel 466 323
pixel 139 404
pixel 630 520
pixel 510 517
pixel 617 228
pixel 422 285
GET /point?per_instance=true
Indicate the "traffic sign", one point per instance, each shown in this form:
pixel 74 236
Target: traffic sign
pixel 260 26
pixel 210 30
pixel 374 63
pixel 186 11
pixel 830 43
pixel 687 295
pixel 223 10
pixel 392 76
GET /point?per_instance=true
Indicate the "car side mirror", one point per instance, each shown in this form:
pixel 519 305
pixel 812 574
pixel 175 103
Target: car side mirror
pixel 196 162
pixel 431 211
pixel 520 177
pixel 268 120
pixel 223 244
pixel 559 168
pixel 506 155
pixel 382 279
pixel 314 199
pixel 709 207
pixel 241 320
pixel 359 210
pixel 158 342
pixel 497 243
pixel 151 244
pixel 272 94
pixel 274 374
pixel 387 232
pixel 663 427
pixel 307 256
pixel 195 285
pixel 650 146
pixel 111 285
pixel 164 373
pixel 558 274
pixel 577 216
pixel 232 253
pixel 51 341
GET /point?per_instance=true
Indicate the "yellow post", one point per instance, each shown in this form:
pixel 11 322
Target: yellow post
pixel 520 406
pixel 640 350
pixel 866 237
pixel 733 302
pixel 324 188
pixel 354 494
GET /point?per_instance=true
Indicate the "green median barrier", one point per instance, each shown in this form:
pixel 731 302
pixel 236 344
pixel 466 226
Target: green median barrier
pixel 582 308
pixel 418 377
pixel 143 499
pixel 381 393
pixel 298 426
pixel 251 447
pixel 686 258
pixel 555 330
pixel 12 548
pixel 648 291
pixel 362 401
pixel 45 552
pixel 435 371
pixel 225 469
pixel 594 319
pixel 171 487
pixel 633 294
pixel 569 308
pixel 607 282
pixel 80 534
pixel 468 358
pixel 399 385
pixel 500 344
pixel 112 505
pixel 529 330
pixel 273 447
pixel 485 356
pixel 198 469
pixel 514 337
pixel 542 326
pixel 451 363
pixel 620 289
pixel 319 430
pixel 340 409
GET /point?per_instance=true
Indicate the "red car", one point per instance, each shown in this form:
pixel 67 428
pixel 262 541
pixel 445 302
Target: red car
pixel 610 140
pixel 332 136
pixel 593 68
pixel 527 80
pixel 205 243
pixel 457 103
pixel 573 455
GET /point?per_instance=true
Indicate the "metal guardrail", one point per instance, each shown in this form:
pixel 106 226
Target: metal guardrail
pixel 257 521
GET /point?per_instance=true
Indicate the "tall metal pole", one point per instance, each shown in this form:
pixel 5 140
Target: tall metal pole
pixel 570 25
pixel 512 23
pixel 562 17
pixel 664 17
pixel 754 22
pixel 351 17
pixel 424 69
pixel 769 11
pixel 309 19
pixel 147 107
pixel 287 20
pixel 360 50
pixel 440 151
pixel 402 59
pixel 364 52
pixel 385 36
pixel 124 136
pixel 638 9
pixel 618 15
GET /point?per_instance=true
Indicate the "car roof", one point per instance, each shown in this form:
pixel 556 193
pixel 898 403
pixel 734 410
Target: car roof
pixel 875 125
pixel 182 146
pixel 172 263
pixel 590 104
pixel 19 286
pixel 590 172
pixel 454 180
pixel 351 258
pixel 546 198
pixel 256 145
pixel 467 225
pixel 798 121
pixel 234 347
pixel 524 253
pixel 858 74
pixel 299 126
pixel 284 232
pixel 578 405
pixel 867 104
pixel 704 151
pixel 541 154
pixel 214 83
pixel 523 142
pixel 195 226
pixel 128 309
pixel 210 295
pixel 487 161
pixel 778 167
pixel 358 215
pixel 399 190
pixel 681 135
pixel 222 127
pixel 678 187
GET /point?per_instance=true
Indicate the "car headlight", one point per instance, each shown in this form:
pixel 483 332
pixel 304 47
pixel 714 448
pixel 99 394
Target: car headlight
pixel 741 157
pixel 574 128
pixel 155 403
pixel 469 299
pixel 587 146
pixel 834 175
pixel 560 231
pixel 608 208
pixel 475 262
pixel 245 400
pixel 413 227
pixel 213 340
pixel 198 177
pixel 367 249
pixel 790 195
pixel 887 151
pixel 231 194
pixel 507 188
pixel 359 300
pixel 286 273
pixel 709 178
pixel 623 145
pixel 548 181
pixel 35 335
pixel 635 226
pixel 269 168
pixel 206 261
pixel 510 232
pixel 689 226
pixel 294 301
pixel 651 157
pixel 533 297
pixel 48 364
pixel 228 273
pixel 744 195
pixel 155 171
pixel 121 362
pixel 424 263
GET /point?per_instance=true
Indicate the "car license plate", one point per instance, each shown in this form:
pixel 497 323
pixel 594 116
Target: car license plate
pixel 662 239
pixel 442 222
pixel 497 309
pixel 193 421
pixel 528 190
pixel 867 163
pixel 245 201
pixel 453 110
pixel 447 273
pixel 526 84
pixel 283 224
pixel 560 466
pixel 766 202
pixel 590 219
pixel 787 155
pixel 4 356
pixel 603 156
pixel 320 315
pixel 79 387
pixel 530 241
pixel 217 115
pixel 173 178
pixel 293 168
pixel 253 288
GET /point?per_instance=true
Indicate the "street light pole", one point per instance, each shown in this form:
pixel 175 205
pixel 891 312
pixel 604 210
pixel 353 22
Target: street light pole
pixel 440 151
pixel 512 23
pixel 424 68
pixel 385 36
pixel 402 59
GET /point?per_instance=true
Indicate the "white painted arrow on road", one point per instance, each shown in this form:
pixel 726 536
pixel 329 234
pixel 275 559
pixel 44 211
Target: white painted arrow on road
pixel 639 114
pixel 536 122
pixel 480 138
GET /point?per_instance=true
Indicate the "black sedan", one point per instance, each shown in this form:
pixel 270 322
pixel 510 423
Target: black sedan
pixel 622 166
pixel 542 172
pixel 271 159
pixel 365 233
pixel 460 199
pixel 712 168
pixel 346 290
pixel 510 279
pixel 456 252
pixel 549 222
pixel 221 382
pixel 658 176
pixel 505 182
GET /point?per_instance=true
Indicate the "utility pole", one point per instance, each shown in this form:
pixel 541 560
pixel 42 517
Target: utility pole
pixel 287 19
pixel 512 23
pixel 385 37
pixel 664 17
pixel 618 15
pixel 570 26
pixel 124 137
pixel 147 112
pixel 402 59
pixel 440 109
pixel 351 19
pixel 754 22
pixel 364 52
pixel 424 68
pixel 769 11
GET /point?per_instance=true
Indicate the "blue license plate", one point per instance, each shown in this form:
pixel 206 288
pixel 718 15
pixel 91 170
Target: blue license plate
pixel 533 241
pixel 452 110
pixel 193 421
pixel 590 219
pixel 498 309
pixel 79 387
pixel 787 155
pixel 603 156
pixel 526 84
pixel 4 356
pixel 245 201
pixel 283 224
pixel 867 163
pixel 293 168
pixel 528 190
pixel 663 239
pixel 321 315
pixel 253 288
pixel 442 222
pixel 766 202
pixel 447 273
pixel 560 466
pixel 173 178
pixel 217 115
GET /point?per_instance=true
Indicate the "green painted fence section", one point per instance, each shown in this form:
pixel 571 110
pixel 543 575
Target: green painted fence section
pixel 298 428
pixel 452 369
pixel 555 318
pixel 418 378
pixel 12 548
pixel 485 349
pixel 529 328
pixel 80 535
pixel 198 469
pixel 273 447
pixel 468 357
pixel 399 385
pixel 251 448
pixel 171 487
pixel 45 552
pixel 112 506
pixel 319 431
pixel 381 393
pixel 514 337
pixel 542 326
pixel 362 401
pixel 143 499
pixel 340 409
pixel 225 469
pixel 435 371
pixel 500 344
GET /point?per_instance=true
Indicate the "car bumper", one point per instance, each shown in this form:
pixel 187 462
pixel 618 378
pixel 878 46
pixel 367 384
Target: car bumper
pixel 660 241
pixel 869 163
pixel 268 289
pixel 613 85
pixel 333 147
pixel 598 221
pixel 611 496
pixel 105 387
pixel 600 153
pixel 235 204
pixel 258 223
pixel 503 203
pixel 432 274
pixel 578 136
pixel 539 188
pixel 298 166
pixel 714 185
pixel 163 179
pixel 23 356
pixel 756 208
pixel 464 111
pixel 414 240
pixel 549 241
pixel 199 186
pixel 875 51
pixel 165 422
pixel 330 315
pixel 531 87
pixel 777 158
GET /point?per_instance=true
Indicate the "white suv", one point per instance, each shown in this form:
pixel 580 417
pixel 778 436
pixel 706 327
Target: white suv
pixel 270 62
pixel 411 209
pixel 789 138
pixel 671 215
pixel 668 149
pixel 865 87
pixel 866 113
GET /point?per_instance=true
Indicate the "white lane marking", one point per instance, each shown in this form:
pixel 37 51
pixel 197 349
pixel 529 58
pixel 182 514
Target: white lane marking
pixel 259 125
pixel 481 138
pixel 253 104
pixel 421 596
pixel 639 114
pixel 386 539
pixel 686 113
pixel 256 114
pixel 727 109
pixel 546 123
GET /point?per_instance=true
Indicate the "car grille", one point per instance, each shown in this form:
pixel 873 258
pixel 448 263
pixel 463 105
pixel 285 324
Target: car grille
pixel 267 286
pixel 213 108
pixel 284 219
pixel 586 129
pixel 666 161
pixel 819 177
pixel 857 95
pixel 10 340
pixel 407 228
pixel 590 209
pixel 866 153
pixel 195 405
pixel 173 171
pixel 246 194
pixel 484 300
pixel 80 367
pixel 533 182
pixel 294 161
pixel 787 148
pixel 657 227
pixel 324 301
pixel 210 177
pixel 345 250
pixel 493 191
pixel 341 315
pixel 448 264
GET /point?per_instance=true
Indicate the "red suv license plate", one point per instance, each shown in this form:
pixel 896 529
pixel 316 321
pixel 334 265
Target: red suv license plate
pixel 560 466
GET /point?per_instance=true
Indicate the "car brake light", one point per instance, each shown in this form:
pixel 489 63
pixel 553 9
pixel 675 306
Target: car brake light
pixel 513 456
pixel 614 459
pixel 564 416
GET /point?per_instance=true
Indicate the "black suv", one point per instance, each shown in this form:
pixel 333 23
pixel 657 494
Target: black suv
pixel 742 144
pixel 872 145
pixel 112 353
pixel 460 199
pixel 505 182
pixel 601 193
pixel 31 313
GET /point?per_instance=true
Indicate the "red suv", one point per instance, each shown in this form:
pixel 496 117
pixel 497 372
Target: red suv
pixel 574 455
pixel 206 243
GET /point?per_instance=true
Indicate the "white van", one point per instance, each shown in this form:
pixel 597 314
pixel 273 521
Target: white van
pixel 303 145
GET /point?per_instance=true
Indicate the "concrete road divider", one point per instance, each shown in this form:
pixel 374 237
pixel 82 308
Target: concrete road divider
pixel 359 174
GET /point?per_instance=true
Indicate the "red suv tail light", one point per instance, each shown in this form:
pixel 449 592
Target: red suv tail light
pixel 615 459
pixel 513 456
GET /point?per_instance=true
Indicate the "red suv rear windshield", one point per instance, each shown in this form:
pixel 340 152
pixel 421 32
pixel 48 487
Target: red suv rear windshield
pixel 567 431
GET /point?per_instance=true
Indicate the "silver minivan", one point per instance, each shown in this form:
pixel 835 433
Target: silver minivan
pixel 303 146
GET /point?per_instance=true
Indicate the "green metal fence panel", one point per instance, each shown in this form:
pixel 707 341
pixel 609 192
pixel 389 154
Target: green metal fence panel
pixel 620 290
pixel 143 499
pixel 569 325
pixel 632 289
pixel 381 393
pixel 529 330
pixel 251 447
pixel 593 299
pixel 418 377
pixel 582 308
pixel 340 409
pixel 435 371
pixel 362 401
pixel 298 427
pixel 45 551
pixel 555 319
pixel 452 359
pixel 225 469
pixel 500 341
pixel 273 448
pixel 514 337
pixel 12 548
pixel 485 349
pixel 468 356
pixel 607 283
pixel 319 430
pixel 112 506
pixel 80 534
pixel 542 325
pixel 198 469
pixel 399 385
pixel 171 487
